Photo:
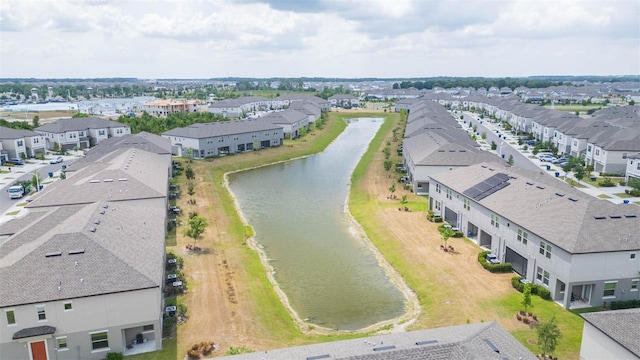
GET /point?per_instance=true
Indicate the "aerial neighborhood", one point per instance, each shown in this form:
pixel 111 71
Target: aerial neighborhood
pixel 84 267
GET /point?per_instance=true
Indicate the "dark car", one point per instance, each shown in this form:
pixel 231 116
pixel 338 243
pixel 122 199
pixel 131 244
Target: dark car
pixel 56 160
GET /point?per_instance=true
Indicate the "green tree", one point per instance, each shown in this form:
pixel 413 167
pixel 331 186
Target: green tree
pixel 388 164
pixel 197 224
pixel 80 115
pixel 36 121
pixel 56 146
pixel 494 145
pixel 548 336
pixel 445 234
pixel 404 200
pixel 392 188
pixel 526 297
pixel 510 160
pixel 579 172
pixel 483 135
pixel 188 172
pixel 387 152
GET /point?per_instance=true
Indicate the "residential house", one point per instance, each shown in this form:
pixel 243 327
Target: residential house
pixel 633 167
pixel 611 147
pixel 486 341
pixel 291 121
pixel 227 108
pixel 80 132
pixel 83 272
pixel 203 140
pixel 611 335
pixel 162 108
pixel 311 109
pixel 345 101
pixel 584 250
pixel 17 143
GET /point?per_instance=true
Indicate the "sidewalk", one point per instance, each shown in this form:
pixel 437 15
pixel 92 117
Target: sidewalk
pixel 608 193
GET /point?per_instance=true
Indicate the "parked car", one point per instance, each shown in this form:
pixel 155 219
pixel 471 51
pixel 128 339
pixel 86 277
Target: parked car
pixel 15 162
pixel 560 160
pixel 547 158
pixel 56 160
pixel 492 258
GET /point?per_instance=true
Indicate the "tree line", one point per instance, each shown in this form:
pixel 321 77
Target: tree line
pixel 158 125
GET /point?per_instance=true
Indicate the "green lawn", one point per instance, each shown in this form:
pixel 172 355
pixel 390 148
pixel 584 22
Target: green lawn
pixel 623 195
pixel 604 196
pixel 574 108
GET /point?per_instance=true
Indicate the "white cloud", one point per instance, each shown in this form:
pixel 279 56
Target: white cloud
pixel 345 38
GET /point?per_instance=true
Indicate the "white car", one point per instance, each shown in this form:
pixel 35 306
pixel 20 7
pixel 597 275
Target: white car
pixel 547 158
pixel 56 160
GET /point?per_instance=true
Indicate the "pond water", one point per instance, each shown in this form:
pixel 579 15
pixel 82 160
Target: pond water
pixel 326 268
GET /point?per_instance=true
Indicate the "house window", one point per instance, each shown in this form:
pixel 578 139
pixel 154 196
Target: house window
pixel 624 155
pixel 495 220
pixel 42 315
pixel 101 132
pixel 522 236
pixel 589 148
pixel 68 306
pixel 542 275
pixel 438 188
pixel 597 152
pixel 634 284
pixel 438 205
pixel 61 343
pixel 11 317
pixel 99 340
pixel 467 204
pixel 20 143
pixel 147 327
pixel 632 256
pixel 449 195
pixel 609 289
pixel 545 249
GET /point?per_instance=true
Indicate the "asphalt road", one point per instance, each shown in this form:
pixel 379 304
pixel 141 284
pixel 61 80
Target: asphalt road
pixel 520 160
pixel 44 170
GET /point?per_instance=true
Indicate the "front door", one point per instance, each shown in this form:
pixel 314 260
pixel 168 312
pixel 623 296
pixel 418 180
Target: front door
pixel 586 293
pixel 38 350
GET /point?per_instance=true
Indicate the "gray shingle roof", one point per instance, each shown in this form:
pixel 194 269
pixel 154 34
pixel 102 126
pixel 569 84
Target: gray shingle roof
pixel 453 342
pixel 77 124
pixel 623 326
pixel 125 174
pixel 34 331
pixel 284 117
pixel 221 128
pixel 571 225
pixel 122 254
pixel 9 133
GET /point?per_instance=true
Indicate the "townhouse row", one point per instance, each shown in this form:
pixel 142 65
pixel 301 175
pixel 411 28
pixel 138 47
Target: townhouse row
pixel 83 272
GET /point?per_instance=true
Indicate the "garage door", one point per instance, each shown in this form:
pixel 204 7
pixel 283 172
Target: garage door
pixel 518 262
pixel 450 216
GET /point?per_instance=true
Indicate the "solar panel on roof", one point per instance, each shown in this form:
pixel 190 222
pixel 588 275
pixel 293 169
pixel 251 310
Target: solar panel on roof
pixel 493 347
pixel 383 348
pixel 318 357
pixel 427 342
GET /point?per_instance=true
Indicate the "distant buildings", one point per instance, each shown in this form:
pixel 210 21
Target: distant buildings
pixel 162 108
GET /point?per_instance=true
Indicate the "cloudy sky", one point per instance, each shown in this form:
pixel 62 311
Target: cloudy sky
pixel 326 38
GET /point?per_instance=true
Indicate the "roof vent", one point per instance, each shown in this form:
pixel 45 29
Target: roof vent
pixel 493 347
pixel 492 169
pixel 76 251
pixel 599 217
pixel 122 179
pixel 427 342
pixel 573 199
pixel 93 229
pixel 108 180
pixel 97 222
pixel 483 166
pixel 102 211
pixel 529 183
pixel 53 254
pixel 540 187
pixel 615 216
pixel 440 150
pixel 560 194
pixel 94 181
pixel 105 206
pixel 629 216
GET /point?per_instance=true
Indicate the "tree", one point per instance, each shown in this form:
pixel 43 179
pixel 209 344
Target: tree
pixel 404 200
pixel 526 297
pixel 493 145
pixel 80 115
pixel 548 335
pixel 388 164
pixel 197 224
pixel 446 233
pixel 36 121
pixel 36 180
pixel 188 172
pixel 483 135
pixel 56 146
pixel 392 188
pixel 579 172
pixel 387 152
pixel 510 160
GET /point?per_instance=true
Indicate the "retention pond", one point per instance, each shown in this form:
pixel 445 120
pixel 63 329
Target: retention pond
pixel 320 259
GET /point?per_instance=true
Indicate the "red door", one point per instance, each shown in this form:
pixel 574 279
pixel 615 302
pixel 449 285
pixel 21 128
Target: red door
pixel 38 351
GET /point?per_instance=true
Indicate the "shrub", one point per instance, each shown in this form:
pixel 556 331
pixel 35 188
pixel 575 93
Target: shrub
pixel 494 268
pixel 167 326
pixel 606 183
pixel 633 192
pixel 193 354
pixel 629 304
pixel 437 219
pixel 536 289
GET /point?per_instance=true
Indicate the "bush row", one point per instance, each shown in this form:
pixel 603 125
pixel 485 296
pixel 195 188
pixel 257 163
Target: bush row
pixel 629 304
pixel 494 268
pixel 456 234
pixel 536 289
